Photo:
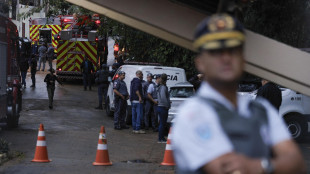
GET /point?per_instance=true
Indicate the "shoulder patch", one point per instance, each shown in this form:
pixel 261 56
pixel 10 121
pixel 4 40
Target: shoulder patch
pixel 204 132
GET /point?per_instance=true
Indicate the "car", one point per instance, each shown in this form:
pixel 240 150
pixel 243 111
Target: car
pixel 294 109
pixel 179 93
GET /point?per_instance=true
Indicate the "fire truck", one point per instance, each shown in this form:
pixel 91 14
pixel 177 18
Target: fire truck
pixel 10 87
pixel 45 29
pixel 73 37
pixel 74 44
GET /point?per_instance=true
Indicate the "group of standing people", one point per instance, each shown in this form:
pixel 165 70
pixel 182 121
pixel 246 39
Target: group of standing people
pixel 24 66
pixel 45 53
pixel 149 100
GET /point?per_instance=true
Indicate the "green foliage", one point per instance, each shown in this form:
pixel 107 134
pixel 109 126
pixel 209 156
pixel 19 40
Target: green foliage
pixel 144 47
pixel 4 8
pixel 285 21
pixel 4 146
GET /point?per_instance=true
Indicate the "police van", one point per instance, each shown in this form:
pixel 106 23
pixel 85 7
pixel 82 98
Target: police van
pixel 175 75
pixel 294 109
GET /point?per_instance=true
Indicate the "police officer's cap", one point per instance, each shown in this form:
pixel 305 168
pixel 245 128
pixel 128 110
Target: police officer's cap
pixel 149 75
pixel 218 32
pixel 121 73
pixel 157 76
pixel 104 66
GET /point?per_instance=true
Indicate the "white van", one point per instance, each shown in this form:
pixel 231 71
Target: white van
pixel 175 75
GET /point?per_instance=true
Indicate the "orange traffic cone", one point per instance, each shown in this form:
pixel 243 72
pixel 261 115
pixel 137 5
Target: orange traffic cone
pixel 41 149
pixel 168 157
pixel 102 156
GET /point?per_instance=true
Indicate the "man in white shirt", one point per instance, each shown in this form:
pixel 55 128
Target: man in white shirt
pixel 217 132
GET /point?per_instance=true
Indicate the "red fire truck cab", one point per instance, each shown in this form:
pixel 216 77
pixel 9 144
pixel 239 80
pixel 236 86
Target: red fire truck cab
pixel 10 88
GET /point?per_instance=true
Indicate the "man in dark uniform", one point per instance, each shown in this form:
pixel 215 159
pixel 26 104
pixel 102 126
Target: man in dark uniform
pixel 271 92
pixel 120 100
pixel 24 65
pixel 196 81
pixel 50 85
pixel 33 65
pixel 87 68
pixel 102 79
pixel 114 69
pixel 217 132
pixel 34 48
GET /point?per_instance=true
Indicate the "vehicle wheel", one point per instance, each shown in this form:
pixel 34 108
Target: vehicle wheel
pixel 297 126
pixel 12 116
pixel 108 109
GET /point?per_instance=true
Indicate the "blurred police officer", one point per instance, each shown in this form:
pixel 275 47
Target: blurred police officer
pixel 102 79
pixel 120 100
pixel 270 92
pixel 50 85
pixel 216 132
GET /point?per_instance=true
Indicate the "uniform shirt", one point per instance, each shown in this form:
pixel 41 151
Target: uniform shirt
pixel 145 86
pixel 33 64
pixel 42 51
pixel 151 90
pixel 50 80
pixel 50 52
pixel 121 87
pixel 197 136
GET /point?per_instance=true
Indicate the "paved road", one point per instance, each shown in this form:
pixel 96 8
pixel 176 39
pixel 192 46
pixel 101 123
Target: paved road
pixel 72 130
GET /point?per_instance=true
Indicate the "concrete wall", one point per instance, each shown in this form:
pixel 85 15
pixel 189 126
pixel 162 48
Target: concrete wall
pixel 23 9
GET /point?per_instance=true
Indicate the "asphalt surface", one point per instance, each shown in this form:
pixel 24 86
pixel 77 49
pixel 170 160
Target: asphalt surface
pixel 71 131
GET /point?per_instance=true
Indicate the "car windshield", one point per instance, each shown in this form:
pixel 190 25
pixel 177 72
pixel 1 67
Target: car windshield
pixel 181 92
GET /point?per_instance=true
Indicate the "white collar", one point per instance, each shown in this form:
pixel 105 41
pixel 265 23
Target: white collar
pixel 206 90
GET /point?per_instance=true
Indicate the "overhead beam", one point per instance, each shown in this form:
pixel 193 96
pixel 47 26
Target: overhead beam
pixel 176 23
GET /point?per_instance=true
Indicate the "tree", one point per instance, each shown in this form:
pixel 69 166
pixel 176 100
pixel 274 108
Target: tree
pixel 285 21
pixel 144 47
